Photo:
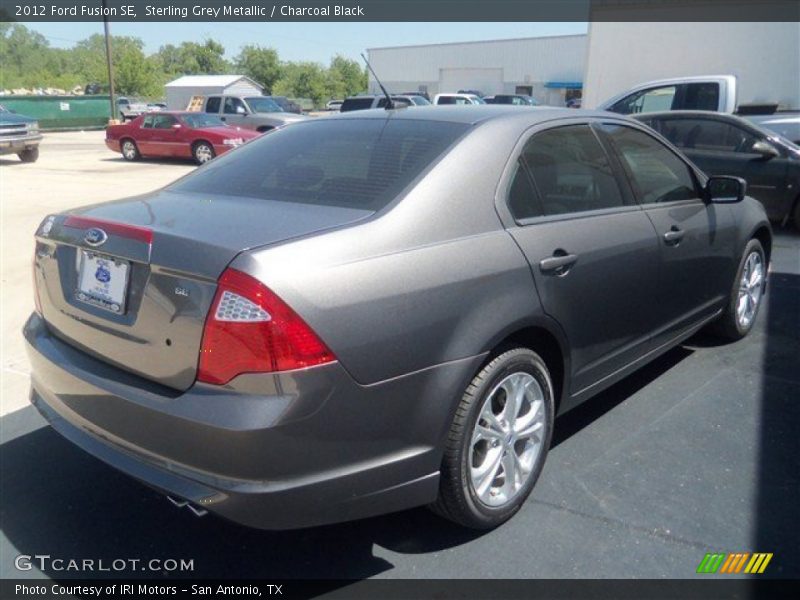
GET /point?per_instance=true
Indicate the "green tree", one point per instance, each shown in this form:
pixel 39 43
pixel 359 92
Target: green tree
pixel 303 80
pixel 191 58
pixel 260 64
pixel 133 73
pixel 346 77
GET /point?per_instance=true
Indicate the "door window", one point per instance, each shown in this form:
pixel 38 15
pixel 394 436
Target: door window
pixel 163 121
pixel 147 122
pixel 571 171
pixel 232 105
pixel 212 106
pixel 645 101
pixel 657 173
pixel 707 134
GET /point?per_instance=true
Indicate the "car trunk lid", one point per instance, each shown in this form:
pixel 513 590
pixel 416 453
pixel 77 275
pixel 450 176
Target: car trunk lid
pixel 165 251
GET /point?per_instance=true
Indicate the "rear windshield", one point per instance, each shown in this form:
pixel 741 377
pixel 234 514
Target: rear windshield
pixel 353 163
pixel 356 104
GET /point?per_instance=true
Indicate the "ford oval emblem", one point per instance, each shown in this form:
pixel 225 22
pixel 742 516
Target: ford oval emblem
pixel 95 237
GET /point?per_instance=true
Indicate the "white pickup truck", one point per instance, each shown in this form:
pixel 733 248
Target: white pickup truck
pixel 717 93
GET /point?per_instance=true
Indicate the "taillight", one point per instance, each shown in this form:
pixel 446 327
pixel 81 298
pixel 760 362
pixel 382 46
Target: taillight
pixel 250 330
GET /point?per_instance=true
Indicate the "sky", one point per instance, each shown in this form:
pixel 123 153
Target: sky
pixel 317 42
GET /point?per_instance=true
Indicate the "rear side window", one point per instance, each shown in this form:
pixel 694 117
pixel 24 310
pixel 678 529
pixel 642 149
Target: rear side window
pixel 700 96
pixel 354 163
pixel 356 104
pixel 658 175
pixel 212 106
pixel 571 171
pixel 522 200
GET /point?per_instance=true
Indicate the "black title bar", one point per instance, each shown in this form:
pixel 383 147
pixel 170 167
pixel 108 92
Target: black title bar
pixel 399 10
pixel 720 588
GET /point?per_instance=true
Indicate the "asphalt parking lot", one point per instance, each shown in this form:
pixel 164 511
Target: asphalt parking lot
pixel 698 452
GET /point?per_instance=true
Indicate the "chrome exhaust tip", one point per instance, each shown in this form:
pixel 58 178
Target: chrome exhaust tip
pixel 196 510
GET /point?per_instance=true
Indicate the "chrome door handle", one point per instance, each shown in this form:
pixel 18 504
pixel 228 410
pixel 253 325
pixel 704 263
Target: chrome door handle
pixel 674 236
pixel 558 264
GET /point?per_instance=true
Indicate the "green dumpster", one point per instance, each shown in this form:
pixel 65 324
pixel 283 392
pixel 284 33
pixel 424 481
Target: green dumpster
pixel 56 113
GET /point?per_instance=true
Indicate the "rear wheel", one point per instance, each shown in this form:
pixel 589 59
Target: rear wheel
pixel 203 152
pixel 130 151
pixel 746 294
pixel 29 155
pixel 498 441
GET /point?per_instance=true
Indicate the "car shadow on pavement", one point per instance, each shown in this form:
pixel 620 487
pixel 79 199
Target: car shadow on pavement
pixel 59 501
pixel 778 493
pixel 151 161
pixel 583 415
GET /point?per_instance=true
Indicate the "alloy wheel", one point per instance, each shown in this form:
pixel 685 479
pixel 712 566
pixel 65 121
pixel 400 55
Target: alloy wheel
pixel 507 439
pixel 129 150
pixel 750 290
pixel 203 153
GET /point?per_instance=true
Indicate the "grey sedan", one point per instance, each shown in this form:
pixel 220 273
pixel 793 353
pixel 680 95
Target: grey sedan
pixel 384 309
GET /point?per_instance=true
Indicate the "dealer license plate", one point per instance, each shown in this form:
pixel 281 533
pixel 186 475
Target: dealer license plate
pixel 103 281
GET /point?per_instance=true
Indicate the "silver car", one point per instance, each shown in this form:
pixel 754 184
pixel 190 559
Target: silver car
pixel 382 309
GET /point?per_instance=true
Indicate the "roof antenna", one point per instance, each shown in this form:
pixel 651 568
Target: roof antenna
pixel 389 101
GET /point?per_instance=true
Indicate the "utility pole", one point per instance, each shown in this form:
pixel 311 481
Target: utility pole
pixel 109 63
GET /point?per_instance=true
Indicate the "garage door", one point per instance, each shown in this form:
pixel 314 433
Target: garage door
pixel 488 81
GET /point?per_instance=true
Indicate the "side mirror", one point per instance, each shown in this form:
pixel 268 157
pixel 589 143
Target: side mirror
pixel 724 189
pixel 240 110
pixel 176 126
pixel 765 149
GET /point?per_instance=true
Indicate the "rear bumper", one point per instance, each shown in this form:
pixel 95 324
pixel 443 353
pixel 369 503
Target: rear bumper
pixel 113 145
pixel 282 451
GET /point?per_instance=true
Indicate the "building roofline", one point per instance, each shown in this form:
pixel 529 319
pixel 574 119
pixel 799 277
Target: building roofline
pixel 235 78
pixel 494 41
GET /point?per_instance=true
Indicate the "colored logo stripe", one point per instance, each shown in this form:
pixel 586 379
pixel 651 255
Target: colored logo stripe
pixel 758 563
pixel 710 563
pixel 735 562
pixel 714 562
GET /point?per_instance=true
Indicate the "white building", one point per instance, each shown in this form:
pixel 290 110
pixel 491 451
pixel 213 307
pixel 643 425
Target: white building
pixel 547 68
pixel 764 57
pixel 181 91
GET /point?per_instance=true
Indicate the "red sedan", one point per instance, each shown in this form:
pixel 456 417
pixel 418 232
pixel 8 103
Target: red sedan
pixel 175 135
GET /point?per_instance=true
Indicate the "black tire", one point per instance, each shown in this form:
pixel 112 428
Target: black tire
pixel 729 327
pixel 202 152
pixel 129 149
pixel 458 500
pixel 29 155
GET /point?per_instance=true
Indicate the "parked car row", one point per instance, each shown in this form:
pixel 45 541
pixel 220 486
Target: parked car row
pixel 719 143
